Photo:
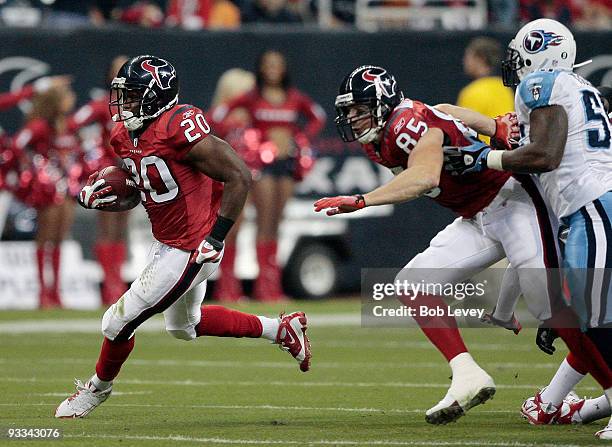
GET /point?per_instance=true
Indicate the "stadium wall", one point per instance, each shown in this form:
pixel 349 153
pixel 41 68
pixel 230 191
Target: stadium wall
pixel 427 65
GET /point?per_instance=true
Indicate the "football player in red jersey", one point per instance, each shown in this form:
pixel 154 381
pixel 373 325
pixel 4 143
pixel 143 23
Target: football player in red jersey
pixel 110 248
pixel 275 109
pixel 193 186
pixel 408 137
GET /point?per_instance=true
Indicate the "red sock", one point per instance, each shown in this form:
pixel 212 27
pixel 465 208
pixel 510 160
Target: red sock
pixel 111 256
pixel 119 251
pixel 229 259
pixel 441 331
pixel 228 287
pixel 112 356
pixel 580 345
pixel 577 363
pixel 56 255
pixel 220 321
pixel 40 262
pixel 587 353
pixel 268 285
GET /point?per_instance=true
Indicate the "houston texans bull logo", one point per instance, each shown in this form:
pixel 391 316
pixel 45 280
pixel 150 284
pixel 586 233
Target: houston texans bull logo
pixel 162 77
pixel 540 40
pixel 385 85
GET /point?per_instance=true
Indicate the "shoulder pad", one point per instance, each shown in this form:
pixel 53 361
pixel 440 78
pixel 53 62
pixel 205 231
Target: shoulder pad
pixel 536 89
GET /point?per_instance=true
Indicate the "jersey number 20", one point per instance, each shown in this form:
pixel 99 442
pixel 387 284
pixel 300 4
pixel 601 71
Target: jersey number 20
pixel 171 187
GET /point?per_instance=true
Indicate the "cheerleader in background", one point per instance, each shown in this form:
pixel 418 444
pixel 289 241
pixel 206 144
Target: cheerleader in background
pixel 274 109
pixel 235 130
pixel 49 178
pixel 110 248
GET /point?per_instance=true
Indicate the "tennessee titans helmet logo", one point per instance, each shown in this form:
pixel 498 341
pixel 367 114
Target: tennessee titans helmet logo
pixel 162 74
pixel 540 40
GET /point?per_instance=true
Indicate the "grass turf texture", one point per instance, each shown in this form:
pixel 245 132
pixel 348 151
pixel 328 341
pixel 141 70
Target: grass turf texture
pixel 366 387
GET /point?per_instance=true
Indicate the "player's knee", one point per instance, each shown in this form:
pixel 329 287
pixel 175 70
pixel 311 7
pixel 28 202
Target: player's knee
pixel 112 323
pixel 183 334
pixel 109 324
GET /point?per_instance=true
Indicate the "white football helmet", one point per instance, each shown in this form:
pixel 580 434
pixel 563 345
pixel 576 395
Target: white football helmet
pixel 541 44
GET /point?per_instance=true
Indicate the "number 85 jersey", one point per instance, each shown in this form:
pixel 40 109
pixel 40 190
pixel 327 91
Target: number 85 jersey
pixel 181 202
pixel 585 171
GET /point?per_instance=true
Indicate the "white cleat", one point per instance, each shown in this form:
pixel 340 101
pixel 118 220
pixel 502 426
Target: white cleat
pixel 291 337
pixel 569 413
pixel 605 433
pixel 83 402
pixel 466 391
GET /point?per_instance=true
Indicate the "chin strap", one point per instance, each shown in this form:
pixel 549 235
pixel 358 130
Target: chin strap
pixel 130 122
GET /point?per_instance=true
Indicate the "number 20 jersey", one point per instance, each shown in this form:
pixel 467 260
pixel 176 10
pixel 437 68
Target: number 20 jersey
pixel 585 172
pixel 182 203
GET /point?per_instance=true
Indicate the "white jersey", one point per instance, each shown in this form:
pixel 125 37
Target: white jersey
pixel 585 172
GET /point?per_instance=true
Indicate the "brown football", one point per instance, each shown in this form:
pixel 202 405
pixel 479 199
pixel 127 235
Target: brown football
pixel 123 186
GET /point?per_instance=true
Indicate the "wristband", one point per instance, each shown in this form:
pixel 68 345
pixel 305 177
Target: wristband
pixel 221 228
pixel 494 160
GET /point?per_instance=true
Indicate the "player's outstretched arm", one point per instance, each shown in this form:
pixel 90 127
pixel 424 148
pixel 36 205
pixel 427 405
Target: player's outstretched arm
pixel 215 158
pixel 477 121
pixel 503 129
pixel 548 134
pixel 421 176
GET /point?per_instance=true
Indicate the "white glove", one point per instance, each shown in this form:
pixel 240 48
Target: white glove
pixel 210 251
pixel 94 194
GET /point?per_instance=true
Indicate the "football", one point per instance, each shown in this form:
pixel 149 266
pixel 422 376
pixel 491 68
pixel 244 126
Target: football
pixel 123 186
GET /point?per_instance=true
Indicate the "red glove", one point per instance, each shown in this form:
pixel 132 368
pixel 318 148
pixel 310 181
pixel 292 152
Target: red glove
pixel 507 133
pixel 340 204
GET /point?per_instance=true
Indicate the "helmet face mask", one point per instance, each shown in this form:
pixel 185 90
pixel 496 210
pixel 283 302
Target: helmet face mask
pixel 145 87
pixel 366 98
pixel 511 66
pixel 357 122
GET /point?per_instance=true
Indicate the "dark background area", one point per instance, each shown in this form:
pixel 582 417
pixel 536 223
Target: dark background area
pixel 427 65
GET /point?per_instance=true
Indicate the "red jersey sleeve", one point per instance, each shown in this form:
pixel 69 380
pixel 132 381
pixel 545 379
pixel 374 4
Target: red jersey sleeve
pixel 219 114
pixel 92 112
pixel 11 99
pixel 186 126
pixel 34 135
pixel 314 114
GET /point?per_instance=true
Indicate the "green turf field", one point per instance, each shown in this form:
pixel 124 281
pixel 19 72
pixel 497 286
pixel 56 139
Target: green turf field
pixel 366 387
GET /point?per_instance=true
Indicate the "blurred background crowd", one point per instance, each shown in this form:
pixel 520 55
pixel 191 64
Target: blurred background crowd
pixel 364 14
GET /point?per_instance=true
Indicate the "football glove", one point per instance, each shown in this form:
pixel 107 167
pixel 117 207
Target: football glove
pixel 466 159
pixel 512 324
pixel 340 204
pixel 94 194
pixel 507 132
pixel 210 251
pixel 545 339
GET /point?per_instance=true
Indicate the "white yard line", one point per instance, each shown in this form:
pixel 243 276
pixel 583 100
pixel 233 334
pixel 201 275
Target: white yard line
pixel 156 325
pixel 276 365
pixel 277 383
pixel 115 393
pixel 251 407
pixel 89 325
pixel 307 443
